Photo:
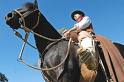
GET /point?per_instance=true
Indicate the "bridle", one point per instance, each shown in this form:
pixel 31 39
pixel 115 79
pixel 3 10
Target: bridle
pixel 25 15
pixel 24 27
pixel 27 30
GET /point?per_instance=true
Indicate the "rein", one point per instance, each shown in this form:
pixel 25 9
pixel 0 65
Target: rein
pixel 51 68
pixel 27 30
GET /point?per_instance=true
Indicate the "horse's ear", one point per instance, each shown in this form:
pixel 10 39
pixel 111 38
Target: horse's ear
pixel 36 3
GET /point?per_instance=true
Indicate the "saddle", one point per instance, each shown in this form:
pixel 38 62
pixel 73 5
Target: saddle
pixel 113 59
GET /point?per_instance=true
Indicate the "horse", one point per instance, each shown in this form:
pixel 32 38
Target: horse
pixel 31 16
pixel 59 55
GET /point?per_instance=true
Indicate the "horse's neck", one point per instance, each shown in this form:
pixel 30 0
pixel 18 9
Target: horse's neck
pixel 44 28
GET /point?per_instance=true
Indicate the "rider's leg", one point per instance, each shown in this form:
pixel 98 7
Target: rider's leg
pixel 86 43
pixel 85 40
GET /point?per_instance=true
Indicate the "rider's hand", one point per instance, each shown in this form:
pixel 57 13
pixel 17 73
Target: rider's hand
pixel 67 33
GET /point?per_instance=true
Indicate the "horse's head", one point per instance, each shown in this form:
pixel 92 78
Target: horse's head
pixel 23 16
pixel 29 18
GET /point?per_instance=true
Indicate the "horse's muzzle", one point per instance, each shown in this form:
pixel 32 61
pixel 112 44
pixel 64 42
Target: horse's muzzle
pixel 12 21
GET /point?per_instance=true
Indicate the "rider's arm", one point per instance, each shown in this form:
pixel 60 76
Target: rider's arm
pixel 83 24
pixel 73 29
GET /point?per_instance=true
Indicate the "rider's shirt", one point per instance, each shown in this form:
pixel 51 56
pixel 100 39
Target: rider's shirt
pixel 84 23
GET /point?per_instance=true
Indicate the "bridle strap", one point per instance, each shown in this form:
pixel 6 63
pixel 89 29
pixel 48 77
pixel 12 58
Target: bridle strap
pixel 24 40
pixel 52 68
pixel 21 15
pixel 25 15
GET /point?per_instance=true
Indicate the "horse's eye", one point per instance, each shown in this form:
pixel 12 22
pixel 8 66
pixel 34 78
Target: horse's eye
pixel 10 15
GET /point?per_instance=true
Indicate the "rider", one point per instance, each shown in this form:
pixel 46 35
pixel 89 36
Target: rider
pixel 85 32
pixel 83 27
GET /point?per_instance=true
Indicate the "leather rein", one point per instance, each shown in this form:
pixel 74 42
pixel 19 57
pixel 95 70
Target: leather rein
pixel 25 40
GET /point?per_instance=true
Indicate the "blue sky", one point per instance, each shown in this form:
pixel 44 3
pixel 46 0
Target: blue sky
pixel 107 17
